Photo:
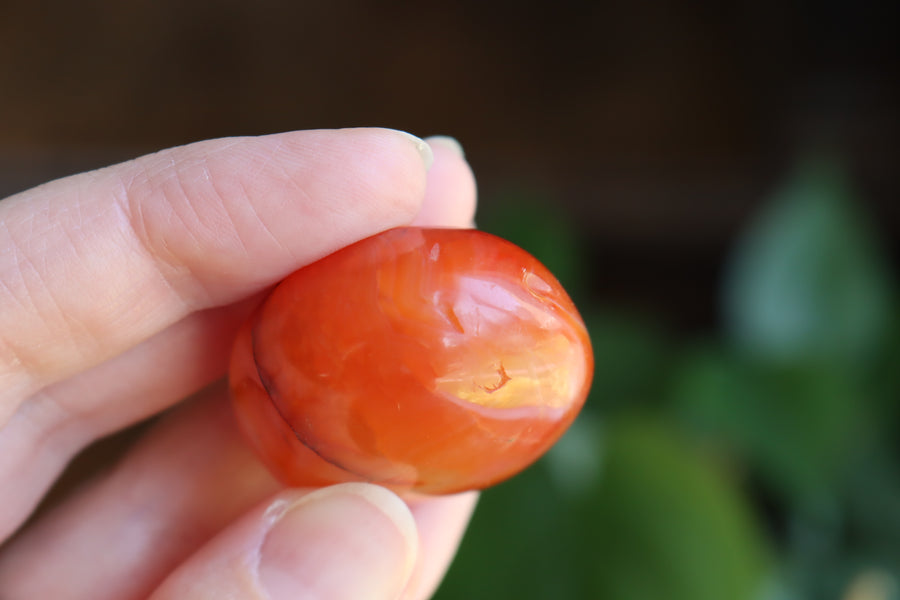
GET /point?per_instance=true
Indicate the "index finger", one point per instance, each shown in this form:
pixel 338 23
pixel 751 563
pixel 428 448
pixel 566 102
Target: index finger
pixel 96 263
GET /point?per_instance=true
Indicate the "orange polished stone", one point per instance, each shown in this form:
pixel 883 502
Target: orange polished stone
pixel 437 360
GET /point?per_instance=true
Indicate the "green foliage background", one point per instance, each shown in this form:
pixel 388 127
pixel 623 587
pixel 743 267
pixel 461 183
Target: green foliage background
pixel 757 464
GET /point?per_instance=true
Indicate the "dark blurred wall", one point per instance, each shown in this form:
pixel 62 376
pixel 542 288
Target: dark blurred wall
pixel 658 125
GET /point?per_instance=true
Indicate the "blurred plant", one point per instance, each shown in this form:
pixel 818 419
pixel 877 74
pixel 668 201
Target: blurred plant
pixel 807 281
pixel 648 518
pixel 762 465
pixel 803 393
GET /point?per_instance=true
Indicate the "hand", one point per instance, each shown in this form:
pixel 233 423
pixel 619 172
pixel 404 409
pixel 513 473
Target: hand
pixel 121 292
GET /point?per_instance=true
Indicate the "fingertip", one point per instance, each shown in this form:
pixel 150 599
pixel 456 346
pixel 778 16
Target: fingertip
pixel 448 143
pixel 351 540
pixel 381 169
pixel 450 193
pixel 421 146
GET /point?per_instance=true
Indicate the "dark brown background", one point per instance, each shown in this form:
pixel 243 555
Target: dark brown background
pixel 657 125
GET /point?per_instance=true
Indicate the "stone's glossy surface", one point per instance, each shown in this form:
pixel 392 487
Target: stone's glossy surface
pixel 438 360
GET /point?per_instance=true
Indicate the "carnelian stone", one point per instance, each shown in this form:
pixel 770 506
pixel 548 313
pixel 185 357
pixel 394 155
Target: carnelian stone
pixel 437 360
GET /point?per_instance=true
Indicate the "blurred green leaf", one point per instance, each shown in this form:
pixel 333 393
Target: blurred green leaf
pixel 795 424
pixel 807 279
pixel 872 496
pixel 883 383
pixel 631 361
pixel 655 521
pixel 666 524
pixel 574 462
pixel 519 545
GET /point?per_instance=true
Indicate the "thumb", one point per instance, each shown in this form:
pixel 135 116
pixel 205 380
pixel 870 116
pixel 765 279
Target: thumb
pixel 352 540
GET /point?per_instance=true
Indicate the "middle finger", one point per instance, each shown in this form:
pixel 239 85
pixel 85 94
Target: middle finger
pixel 188 479
pixel 184 481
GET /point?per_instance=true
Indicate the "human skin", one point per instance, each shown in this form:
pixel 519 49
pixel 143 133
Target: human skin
pixel 121 292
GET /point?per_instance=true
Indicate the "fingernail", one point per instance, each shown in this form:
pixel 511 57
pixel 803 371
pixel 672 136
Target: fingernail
pixel 422 148
pixel 353 540
pixel 448 142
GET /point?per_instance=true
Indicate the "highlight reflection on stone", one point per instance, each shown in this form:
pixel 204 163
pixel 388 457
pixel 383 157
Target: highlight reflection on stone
pixel 438 360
